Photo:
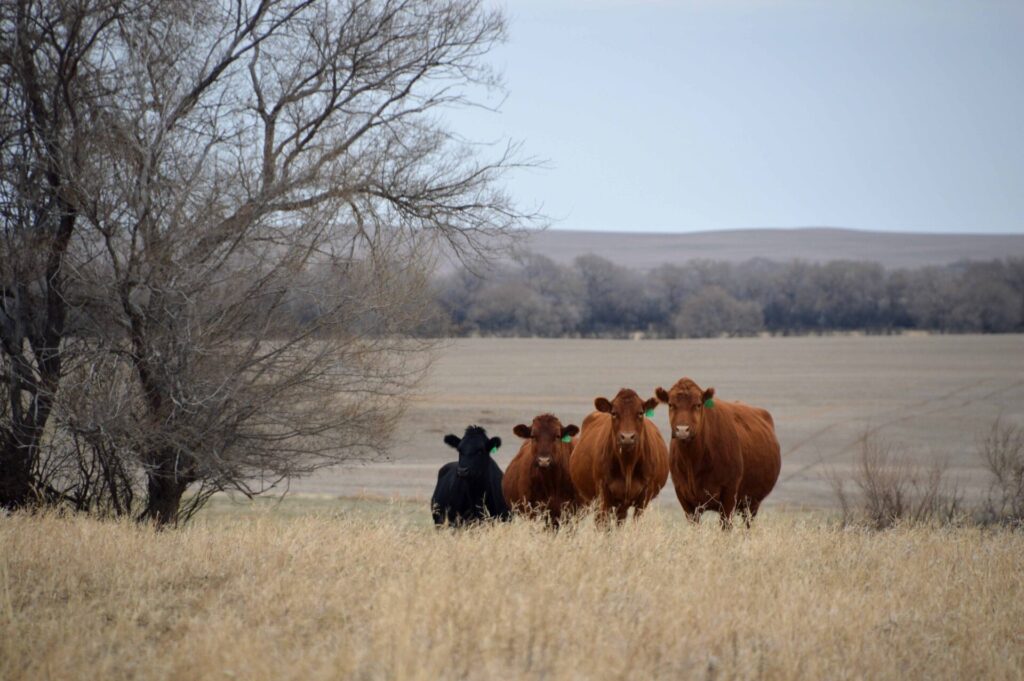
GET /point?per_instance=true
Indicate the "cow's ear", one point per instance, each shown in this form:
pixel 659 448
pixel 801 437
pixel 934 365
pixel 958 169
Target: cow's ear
pixel 602 404
pixel 493 444
pixel 522 430
pixel 650 404
pixel 452 440
pixel 662 394
pixel 707 394
pixel 572 430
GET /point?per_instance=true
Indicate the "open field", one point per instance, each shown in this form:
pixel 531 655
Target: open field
pixel 815 244
pixel 374 593
pixel 932 396
pixel 320 587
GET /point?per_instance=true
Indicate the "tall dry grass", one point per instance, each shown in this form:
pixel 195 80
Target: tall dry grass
pixel 377 597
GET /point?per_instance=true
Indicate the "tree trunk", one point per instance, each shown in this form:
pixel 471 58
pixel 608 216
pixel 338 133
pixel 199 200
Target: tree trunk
pixel 15 473
pixel 165 486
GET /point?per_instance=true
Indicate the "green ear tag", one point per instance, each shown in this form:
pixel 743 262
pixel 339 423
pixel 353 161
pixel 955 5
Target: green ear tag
pixel 567 438
pixel 494 450
pixel 649 413
pixel 709 403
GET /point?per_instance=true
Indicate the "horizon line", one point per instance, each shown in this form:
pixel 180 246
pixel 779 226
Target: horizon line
pixel 700 230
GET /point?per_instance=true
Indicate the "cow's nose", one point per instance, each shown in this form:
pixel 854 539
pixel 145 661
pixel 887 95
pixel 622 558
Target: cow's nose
pixel 682 433
pixel 627 439
pixel 543 461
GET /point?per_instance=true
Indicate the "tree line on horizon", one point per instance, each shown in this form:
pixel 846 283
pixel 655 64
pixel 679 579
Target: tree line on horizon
pixel 595 297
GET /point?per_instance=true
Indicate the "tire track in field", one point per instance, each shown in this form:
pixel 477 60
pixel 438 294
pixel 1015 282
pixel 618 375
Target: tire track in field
pixel 921 403
pixel 916 410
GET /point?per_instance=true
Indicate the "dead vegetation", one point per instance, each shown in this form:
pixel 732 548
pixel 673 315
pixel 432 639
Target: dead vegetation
pixel 890 489
pixel 375 596
pixel 1002 450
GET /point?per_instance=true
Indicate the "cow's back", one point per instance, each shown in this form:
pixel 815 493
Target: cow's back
pixel 583 463
pixel 762 460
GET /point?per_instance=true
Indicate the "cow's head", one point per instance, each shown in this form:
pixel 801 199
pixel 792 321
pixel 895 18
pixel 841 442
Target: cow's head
pixel 628 413
pixel 474 449
pixel 546 432
pixel 687 404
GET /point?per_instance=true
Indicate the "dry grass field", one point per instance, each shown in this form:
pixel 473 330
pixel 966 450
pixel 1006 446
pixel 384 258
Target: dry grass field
pixel 351 580
pixel 931 397
pixel 375 593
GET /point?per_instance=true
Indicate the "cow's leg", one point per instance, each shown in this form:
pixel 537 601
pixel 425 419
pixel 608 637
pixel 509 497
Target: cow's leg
pixel 726 507
pixel 743 508
pixel 689 509
pixel 603 515
pixel 551 516
pixel 639 507
pixel 752 508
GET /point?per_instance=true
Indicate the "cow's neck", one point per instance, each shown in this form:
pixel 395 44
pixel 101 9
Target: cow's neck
pixel 693 453
pixel 625 459
pixel 697 452
pixel 544 478
pixel 551 479
pixel 474 476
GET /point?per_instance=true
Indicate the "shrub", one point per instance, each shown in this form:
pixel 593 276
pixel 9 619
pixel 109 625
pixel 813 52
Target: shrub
pixel 893 490
pixel 1002 451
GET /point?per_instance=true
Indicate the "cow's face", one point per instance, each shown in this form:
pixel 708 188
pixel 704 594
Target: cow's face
pixel 474 449
pixel 546 432
pixel 686 408
pixel 628 413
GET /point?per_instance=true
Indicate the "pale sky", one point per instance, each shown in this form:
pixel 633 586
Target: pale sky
pixel 673 115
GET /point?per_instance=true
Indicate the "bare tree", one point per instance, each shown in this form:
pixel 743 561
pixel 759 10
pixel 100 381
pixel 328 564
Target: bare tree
pixel 614 300
pixel 249 159
pixel 713 312
pixel 49 87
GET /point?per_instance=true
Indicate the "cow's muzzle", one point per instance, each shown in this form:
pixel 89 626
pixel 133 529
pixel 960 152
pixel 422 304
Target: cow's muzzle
pixel 543 461
pixel 462 472
pixel 682 433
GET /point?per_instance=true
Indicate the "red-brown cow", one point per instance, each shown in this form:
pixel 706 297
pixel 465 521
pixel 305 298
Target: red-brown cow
pixel 620 457
pixel 724 455
pixel 537 481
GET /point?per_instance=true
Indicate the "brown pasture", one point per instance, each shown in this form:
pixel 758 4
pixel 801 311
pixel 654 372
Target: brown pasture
pixel 930 396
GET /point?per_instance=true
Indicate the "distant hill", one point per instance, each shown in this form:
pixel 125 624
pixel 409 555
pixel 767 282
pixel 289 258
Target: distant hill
pixel 815 244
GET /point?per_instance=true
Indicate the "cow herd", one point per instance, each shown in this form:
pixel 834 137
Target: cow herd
pixel 723 457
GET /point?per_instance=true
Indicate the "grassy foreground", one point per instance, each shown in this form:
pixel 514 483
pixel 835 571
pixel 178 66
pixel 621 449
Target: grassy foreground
pixel 379 595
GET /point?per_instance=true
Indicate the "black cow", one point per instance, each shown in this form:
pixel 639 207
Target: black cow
pixel 469 490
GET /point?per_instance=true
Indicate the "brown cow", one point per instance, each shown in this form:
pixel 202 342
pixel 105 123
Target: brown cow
pixel 537 481
pixel 724 455
pixel 620 457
